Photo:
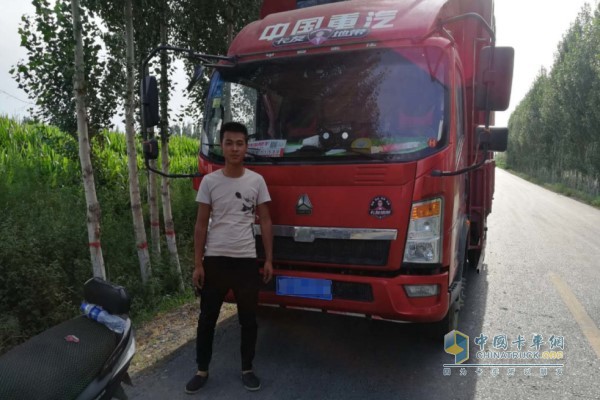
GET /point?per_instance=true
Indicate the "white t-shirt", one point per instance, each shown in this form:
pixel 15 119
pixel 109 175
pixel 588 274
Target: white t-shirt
pixel 233 202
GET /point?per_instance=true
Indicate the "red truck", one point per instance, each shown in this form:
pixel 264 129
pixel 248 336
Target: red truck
pixel 370 122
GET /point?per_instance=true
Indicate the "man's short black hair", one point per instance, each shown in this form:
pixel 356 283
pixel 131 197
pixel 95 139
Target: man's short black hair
pixel 234 127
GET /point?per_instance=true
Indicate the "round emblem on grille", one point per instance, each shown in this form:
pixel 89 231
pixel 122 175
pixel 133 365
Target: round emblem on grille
pixel 380 207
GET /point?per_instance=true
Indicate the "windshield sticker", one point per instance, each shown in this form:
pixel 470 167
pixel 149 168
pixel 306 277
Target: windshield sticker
pixel 361 144
pixel 380 207
pixel 268 148
pixel 317 30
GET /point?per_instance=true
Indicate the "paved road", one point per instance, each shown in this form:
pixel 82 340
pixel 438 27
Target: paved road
pixel 541 277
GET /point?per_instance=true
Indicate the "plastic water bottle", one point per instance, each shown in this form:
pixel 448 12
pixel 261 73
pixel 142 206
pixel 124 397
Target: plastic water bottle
pixel 112 322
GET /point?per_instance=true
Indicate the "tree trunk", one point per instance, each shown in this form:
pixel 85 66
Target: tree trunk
pixel 164 134
pixel 134 185
pixel 152 187
pixel 87 172
pixel 153 203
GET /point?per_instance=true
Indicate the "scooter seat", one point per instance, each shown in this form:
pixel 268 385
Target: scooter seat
pixel 57 364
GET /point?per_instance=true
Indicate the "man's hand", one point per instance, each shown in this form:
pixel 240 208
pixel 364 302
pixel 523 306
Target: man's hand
pixel 267 271
pixel 266 230
pixel 200 231
pixel 198 277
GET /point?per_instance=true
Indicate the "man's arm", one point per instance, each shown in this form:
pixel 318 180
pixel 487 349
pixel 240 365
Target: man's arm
pixel 200 232
pixel 266 230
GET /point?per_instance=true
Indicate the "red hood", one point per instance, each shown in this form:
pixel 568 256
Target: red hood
pixel 343 196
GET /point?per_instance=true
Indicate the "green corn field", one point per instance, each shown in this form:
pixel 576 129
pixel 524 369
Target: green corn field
pixel 44 256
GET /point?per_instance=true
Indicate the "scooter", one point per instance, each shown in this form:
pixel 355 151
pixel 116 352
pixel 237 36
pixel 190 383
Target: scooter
pixel 78 359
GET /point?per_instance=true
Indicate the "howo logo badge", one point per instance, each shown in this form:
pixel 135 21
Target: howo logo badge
pixel 304 206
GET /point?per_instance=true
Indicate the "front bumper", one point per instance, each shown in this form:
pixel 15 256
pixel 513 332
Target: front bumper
pixel 371 297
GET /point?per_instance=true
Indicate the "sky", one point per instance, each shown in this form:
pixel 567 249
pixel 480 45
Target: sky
pixel 533 27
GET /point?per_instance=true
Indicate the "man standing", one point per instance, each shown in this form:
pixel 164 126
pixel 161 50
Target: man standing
pixel 225 256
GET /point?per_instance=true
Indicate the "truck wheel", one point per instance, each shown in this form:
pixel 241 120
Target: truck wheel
pixel 473 258
pixel 449 323
pixel 438 330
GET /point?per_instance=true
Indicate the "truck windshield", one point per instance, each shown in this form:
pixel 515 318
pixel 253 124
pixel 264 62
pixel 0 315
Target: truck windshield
pixel 376 105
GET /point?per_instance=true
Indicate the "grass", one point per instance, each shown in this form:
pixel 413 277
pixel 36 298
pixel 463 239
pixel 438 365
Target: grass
pixel 165 304
pixel 44 256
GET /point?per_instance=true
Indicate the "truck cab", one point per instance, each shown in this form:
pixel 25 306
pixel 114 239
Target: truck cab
pixel 369 121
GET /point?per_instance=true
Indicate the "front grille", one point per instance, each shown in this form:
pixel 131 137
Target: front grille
pixel 340 290
pixel 329 251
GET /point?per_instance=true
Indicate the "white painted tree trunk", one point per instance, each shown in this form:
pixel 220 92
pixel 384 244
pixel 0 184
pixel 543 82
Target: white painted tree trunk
pixel 154 210
pixel 165 187
pixel 134 185
pixel 168 215
pixel 87 172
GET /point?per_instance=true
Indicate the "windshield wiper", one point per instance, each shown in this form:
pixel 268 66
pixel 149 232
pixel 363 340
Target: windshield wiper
pixel 383 157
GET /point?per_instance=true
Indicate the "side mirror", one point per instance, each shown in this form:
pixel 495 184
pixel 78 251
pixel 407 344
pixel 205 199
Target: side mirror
pixel 149 96
pixel 493 138
pixel 494 78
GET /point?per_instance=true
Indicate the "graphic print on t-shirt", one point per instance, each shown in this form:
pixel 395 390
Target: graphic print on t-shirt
pixel 247 203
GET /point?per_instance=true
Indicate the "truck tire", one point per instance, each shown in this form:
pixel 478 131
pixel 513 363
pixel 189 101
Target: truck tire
pixel 473 258
pixel 437 330
pixel 450 321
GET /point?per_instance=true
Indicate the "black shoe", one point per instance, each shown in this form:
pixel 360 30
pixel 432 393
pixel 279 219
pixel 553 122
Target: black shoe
pixel 251 381
pixel 195 384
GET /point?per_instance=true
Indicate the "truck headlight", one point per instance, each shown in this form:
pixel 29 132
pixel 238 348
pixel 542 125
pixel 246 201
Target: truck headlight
pixel 424 238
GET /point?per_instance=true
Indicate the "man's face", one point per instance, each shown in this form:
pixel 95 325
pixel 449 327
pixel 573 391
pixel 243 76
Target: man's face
pixel 234 147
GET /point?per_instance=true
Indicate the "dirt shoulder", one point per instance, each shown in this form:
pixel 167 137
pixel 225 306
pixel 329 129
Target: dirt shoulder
pixel 167 332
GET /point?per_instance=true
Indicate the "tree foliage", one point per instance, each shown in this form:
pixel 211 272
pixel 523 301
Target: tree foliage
pixel 46 74
pixel 554 130
pixel 205 26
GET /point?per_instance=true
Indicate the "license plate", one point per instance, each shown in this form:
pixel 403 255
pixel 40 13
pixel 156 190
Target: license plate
pixel 304 287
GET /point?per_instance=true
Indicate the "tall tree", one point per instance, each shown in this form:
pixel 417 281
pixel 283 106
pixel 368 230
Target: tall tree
pixel 134 186
pixel 146 21
pixel 164 135
pixel 554 134
pixel 93 207
pixel 136 28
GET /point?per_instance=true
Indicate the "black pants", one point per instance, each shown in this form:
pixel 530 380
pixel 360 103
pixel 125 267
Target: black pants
pixel 241 275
